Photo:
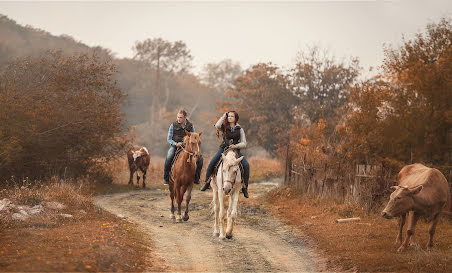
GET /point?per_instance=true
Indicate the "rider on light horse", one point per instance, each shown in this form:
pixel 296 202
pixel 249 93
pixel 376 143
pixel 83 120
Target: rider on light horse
pixel 233 137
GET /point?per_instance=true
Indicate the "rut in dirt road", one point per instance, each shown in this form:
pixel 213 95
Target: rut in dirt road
pixel 259 243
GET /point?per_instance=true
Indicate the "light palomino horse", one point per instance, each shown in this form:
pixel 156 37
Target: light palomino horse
pixel 182 177
pixel 228 182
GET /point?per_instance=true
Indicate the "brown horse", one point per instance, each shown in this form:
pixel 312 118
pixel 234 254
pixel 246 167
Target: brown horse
pixel 182 176
pixel 139 159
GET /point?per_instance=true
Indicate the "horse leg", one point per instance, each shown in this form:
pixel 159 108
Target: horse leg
pixel 232 213
pixel 187 202
pixel 180 190
pixel 216 209
pixel 221 213
pixel 171 188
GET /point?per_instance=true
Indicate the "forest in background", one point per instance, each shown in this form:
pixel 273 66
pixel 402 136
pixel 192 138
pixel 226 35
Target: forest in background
pixel 320 113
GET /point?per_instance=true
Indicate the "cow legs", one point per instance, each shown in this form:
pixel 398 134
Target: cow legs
pixel 413 217
pixel 144 178
pixel 132 171
pixel 187 202
pixel 171 188
pixel 431 231
pixel 401 222
pixel 138 179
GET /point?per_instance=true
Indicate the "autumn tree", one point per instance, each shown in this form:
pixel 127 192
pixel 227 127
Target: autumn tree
pixel 265 104
pixel 321 83
pixel 219 76
pixel 165 58
pixel 404 115
pixel 421 95
pixel 59 115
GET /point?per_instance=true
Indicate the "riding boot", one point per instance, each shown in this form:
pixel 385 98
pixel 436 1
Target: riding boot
pixel 245 188
pixel 205 186
pixel 245 191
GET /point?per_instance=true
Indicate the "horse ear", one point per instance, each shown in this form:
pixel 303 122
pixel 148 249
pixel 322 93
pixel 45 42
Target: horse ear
pixel 238 159
pixel 187 132
pixel 200 133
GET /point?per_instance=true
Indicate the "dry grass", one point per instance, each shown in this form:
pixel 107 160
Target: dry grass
pixel 364 246
pixel 91 240
pixel 261 168
pixel 264 168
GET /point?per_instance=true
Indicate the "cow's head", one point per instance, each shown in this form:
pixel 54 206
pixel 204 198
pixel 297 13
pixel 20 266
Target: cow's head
pixel 400 201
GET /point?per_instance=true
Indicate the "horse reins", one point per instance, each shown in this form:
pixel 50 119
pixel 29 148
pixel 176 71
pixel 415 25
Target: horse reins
pixel 232 182
pixel 190 154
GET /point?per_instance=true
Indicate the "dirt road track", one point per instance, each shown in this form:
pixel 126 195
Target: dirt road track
pixel 260 242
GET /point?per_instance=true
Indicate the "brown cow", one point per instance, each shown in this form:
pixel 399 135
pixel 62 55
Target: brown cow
pixel 139 159
pixel 421 191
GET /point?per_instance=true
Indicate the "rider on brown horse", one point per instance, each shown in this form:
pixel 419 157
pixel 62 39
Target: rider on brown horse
pixel 176 134
pixel 233 137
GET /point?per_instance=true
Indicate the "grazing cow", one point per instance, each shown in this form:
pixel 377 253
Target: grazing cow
pixel 139 159
pixel 421 191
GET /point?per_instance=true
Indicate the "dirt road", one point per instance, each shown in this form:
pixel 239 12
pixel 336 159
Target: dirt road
pixel 260 242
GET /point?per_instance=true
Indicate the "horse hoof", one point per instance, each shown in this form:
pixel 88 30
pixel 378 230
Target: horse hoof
pixel 222 237
pixel 216 234
pixel 179 220
pixel 186 217
pixel 172 216
pixel 228 236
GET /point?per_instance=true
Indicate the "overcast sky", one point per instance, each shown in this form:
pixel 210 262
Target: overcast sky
pixel 245 31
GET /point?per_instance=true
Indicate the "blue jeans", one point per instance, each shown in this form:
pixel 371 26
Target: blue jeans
pixel 169 158
pixel 216 157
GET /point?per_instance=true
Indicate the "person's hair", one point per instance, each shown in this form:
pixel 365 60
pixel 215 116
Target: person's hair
pixel 183 112
pixel 226 124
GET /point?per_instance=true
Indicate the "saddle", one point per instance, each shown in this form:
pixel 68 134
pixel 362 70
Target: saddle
pixel 176 155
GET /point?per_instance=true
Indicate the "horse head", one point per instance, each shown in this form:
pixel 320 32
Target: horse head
pixel 192 143
pixel 230 170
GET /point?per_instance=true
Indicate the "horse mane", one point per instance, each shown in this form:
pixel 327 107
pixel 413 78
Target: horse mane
pixel 186 139
pixel 236 154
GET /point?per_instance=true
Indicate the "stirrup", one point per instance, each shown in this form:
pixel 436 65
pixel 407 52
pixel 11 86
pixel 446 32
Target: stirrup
pixel 206 186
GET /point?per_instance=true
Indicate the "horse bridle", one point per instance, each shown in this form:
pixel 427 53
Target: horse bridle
pixel 190 154
pixel 235 177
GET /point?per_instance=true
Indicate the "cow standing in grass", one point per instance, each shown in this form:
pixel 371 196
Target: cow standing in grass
pixel 421 191
pixel 139 159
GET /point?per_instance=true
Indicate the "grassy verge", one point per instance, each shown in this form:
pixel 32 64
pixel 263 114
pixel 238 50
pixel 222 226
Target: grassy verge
pixel 264 168
pixel 88 240
pixel 364 246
